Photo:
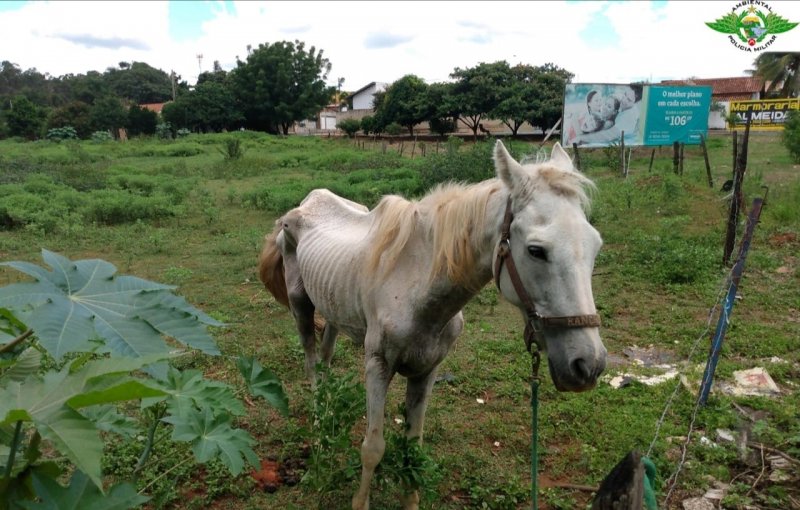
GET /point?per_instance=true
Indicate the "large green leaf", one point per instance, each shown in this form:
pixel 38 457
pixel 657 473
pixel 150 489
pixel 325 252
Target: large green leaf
pixel 106 418
pixel 212 436
pixel 261 382
pixel 80 301
pixel 188 391
pixel 27 363
pixel 10 326
pixel 81 495
pixel 76 437
pixel 96 382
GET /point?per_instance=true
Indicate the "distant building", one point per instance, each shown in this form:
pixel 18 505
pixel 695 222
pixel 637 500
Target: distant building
pixel 724 90
pixel 363 97
pixel 153 107
pixel 727 89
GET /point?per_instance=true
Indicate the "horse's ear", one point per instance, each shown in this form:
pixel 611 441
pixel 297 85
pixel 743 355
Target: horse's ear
pixel 508 170
pixel 560 158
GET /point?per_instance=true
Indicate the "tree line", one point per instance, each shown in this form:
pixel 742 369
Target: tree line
pixel 281 83
pixel 276 85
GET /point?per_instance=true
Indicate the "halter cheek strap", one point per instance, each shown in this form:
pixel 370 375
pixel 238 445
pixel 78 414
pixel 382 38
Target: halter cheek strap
pixel 535 323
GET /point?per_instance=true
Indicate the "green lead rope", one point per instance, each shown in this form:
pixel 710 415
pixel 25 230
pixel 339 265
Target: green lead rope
pixel 535 359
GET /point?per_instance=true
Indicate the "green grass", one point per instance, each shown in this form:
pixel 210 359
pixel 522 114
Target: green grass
pixel 657 277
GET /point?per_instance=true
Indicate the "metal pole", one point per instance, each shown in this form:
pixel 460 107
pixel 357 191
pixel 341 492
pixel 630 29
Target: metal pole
pixel 727 307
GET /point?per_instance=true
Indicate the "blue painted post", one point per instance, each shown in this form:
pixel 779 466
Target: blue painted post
pixel 727 306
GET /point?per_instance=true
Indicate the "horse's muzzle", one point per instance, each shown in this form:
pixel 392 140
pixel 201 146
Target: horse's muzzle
pixel 580 375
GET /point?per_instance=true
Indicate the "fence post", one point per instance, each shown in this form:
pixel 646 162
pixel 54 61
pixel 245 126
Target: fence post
pixel 730 298
pixel 736 199
pixel 652 156
pixel 705 157
pixel 577 157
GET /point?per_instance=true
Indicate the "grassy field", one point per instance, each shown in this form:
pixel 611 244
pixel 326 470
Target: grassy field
pixel 188 214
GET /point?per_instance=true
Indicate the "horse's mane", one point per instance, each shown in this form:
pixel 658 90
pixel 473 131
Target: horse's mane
pixel 453 216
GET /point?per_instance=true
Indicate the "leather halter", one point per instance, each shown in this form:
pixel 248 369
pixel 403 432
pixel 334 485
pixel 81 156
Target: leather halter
pixel 535 323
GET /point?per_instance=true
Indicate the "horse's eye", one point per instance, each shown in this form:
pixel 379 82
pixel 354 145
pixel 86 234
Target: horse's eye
pixel 537 252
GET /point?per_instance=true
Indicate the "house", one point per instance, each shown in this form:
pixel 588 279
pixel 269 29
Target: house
pixel 727 89
pixel 153 107
pixel 362 98
pixel 723 91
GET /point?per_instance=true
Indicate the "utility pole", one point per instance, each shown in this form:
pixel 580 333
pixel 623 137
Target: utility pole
pixel 172 76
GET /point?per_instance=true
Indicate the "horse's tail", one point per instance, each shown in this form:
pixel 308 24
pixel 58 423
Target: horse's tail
pixel 272 275
pixel 270 267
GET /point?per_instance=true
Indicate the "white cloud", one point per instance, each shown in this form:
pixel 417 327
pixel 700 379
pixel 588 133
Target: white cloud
pixel 428 39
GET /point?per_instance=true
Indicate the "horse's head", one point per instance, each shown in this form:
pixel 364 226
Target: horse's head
pixel 552 247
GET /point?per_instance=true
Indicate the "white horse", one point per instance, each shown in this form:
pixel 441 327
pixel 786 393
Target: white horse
pixel 396 278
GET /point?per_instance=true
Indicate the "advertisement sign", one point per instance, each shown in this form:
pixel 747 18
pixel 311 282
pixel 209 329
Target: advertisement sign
pixel 601 114
pixel 763 113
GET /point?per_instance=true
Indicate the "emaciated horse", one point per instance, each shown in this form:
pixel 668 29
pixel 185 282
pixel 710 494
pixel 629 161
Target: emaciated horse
pixel 396 278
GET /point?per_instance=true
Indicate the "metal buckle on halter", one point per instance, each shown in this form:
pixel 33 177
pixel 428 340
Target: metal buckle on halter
pixel 503 248
pixel 533 331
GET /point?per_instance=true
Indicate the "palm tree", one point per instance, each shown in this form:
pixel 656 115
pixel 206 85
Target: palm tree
pixel 780 71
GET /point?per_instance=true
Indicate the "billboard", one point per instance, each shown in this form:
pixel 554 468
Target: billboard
pixel 763 113
pixel 601 114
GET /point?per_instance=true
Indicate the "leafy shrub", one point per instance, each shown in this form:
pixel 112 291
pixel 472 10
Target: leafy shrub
pixel 164 131
pixel 349 126
pixel 471 165
pixel 102 136
pixel 791 134
pixel 57 394
pixel 393 129
pixel 442 126
pixel 338 404
pixel 182 133
pixel 112 207
pixel 369 124
pixel 232 149
pixel 62 133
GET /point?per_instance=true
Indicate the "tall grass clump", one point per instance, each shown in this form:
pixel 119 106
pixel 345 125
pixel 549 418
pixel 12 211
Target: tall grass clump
pixel 473 164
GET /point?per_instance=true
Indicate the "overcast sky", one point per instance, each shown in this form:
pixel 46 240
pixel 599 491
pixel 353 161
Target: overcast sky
pixel 365 41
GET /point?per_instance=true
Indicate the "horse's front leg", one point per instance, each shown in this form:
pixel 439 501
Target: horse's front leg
pixel 378 377
pixel 418 390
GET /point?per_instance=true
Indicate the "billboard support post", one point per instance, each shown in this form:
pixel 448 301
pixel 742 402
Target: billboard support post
pixel 577 157
pixel 675 157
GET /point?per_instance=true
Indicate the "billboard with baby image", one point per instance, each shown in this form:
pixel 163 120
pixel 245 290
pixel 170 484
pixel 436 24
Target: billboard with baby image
pixel 602 114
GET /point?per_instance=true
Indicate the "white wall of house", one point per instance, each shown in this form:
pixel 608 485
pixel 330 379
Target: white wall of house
pixel 362 100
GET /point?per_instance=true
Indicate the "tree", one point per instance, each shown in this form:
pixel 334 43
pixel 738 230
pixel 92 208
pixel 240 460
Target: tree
pixel 478 90
pixel 281 83
pixel 24 118
pixel 211 106
pixel 368 124
pixel 108 114
pixel 350 126
pixel 87 87
pixel 405 102
pixel 780 71
pixel 442 114
pixel 139 83
pixel 76 114
pixel 141 121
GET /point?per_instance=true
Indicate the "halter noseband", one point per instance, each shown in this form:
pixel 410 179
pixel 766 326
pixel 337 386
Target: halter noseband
pixel 535 323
